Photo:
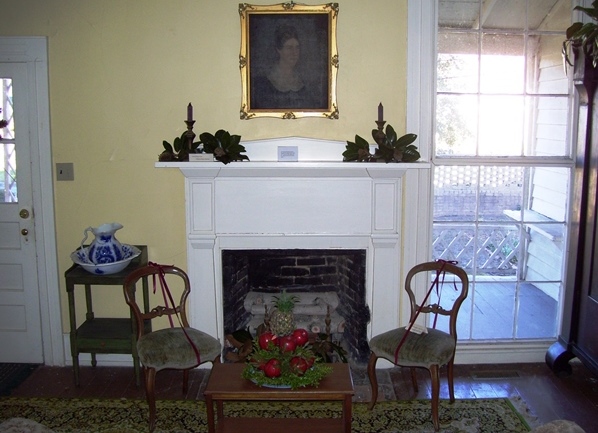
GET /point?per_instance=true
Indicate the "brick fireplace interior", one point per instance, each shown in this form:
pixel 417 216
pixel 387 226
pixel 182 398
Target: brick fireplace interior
pixel 305 272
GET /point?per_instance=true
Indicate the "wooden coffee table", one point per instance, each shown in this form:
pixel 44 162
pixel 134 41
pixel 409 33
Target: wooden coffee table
pixel 226 384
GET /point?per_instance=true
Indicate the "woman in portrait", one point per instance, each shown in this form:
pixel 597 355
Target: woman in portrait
pixel 283 86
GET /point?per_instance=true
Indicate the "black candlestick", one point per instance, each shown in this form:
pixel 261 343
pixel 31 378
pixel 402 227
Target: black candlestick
pixel 379 134
pixel 190 134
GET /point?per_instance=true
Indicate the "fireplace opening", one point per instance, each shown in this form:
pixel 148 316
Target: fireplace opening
pixel 326 281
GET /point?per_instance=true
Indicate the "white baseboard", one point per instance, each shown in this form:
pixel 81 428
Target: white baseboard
pixel 494 353
pixel 467 353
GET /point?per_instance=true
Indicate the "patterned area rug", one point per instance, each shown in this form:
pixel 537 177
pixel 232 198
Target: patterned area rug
pixel 130 416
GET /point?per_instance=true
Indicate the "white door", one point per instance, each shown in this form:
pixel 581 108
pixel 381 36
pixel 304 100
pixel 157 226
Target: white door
pixel 20 321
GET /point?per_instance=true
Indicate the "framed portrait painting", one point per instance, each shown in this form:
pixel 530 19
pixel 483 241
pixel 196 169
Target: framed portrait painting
pixel 288 60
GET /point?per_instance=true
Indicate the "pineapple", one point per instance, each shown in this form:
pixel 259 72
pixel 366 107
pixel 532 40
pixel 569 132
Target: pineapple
pixel 282 321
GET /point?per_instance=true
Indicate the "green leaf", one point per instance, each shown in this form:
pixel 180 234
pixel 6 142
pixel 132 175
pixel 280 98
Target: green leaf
pixel 357 151
pixel 391 135
pixel 411 154
pixel 385 153
pixel 224 146
pixel 405 140
pixel 223 137
pixel 591 12
pixel 573 29
pixel 209 142
pixel 362 142
pixel 178 144
pixel 167 146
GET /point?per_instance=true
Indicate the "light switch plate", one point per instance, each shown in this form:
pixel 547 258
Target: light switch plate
pixel 65 171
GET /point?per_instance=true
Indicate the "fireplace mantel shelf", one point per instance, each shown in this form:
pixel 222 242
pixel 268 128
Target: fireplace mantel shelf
pixel 316 158
pixel 293 169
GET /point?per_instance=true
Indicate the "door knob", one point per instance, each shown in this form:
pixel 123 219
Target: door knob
pixel 24 232
pixel 24 213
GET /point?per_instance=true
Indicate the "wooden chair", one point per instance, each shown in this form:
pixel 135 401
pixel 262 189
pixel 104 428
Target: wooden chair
pixel 430 350
pixel 176 347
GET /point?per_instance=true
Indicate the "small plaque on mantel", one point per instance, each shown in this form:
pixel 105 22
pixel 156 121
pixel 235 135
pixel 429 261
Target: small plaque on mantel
pixel 288 153
pixel 201 157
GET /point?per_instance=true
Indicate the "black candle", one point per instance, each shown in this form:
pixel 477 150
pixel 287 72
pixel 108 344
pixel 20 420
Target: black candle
pixel 189 112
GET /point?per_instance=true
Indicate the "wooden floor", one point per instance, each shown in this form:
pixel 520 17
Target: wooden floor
pixel 548 397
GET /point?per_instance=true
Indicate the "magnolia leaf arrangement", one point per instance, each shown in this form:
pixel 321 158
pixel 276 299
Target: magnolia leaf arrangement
pixel 224 146
pixel 391 148
pixel 583 35
pixel 178 150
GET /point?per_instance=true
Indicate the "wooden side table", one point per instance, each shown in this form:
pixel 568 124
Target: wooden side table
pixel 226 384
pixel 97 334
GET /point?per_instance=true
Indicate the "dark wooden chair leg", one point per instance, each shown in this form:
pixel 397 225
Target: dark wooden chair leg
pixel 451 385
pixel 150 394
pixel 435 376
pixel 373 379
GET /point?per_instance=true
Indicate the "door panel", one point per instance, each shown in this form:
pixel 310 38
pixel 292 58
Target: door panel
pixel 20 324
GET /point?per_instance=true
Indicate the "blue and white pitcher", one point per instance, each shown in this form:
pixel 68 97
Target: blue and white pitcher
pixel 105 248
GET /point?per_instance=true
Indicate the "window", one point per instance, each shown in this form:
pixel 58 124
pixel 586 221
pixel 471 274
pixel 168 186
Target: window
pixel 8 182
pixel 502 161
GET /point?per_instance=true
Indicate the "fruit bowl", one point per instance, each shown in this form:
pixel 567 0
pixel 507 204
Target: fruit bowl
pixel 80 258
pixel 284 362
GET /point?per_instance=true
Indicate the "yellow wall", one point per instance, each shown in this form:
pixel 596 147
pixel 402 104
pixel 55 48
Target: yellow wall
pixel 122 73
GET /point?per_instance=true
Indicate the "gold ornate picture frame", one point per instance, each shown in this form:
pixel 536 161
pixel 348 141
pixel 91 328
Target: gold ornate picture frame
pixel 288 60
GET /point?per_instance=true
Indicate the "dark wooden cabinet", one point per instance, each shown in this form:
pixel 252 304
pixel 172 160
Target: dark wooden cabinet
pixel 98 334
pixel 579 334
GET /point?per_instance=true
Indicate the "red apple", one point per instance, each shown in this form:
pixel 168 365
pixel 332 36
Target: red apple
pixel 287 344
pixel 298 365
pixel 272 368
pixel 300 336
pixel 267 340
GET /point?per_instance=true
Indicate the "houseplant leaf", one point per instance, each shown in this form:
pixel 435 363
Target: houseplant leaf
pixel 167 146
pixel 359 150
pixel 405 140
pixel 224 146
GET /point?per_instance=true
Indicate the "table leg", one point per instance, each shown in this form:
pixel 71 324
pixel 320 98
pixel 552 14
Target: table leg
pixel 70 290
pixel 347 415
pixel 76 369
pixel 210 412
pixel 219 410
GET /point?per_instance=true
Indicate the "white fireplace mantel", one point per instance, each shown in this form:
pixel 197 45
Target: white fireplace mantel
pixel 318 202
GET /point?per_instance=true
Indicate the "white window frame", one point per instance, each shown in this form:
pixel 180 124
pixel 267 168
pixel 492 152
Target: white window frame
pixel 422 18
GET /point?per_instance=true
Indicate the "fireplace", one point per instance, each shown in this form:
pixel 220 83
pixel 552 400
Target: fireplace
pixel 329 284
pixel 316 204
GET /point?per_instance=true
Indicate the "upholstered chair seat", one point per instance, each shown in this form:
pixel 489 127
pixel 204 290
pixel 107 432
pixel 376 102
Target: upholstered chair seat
pixel 418 350
pixel 169 348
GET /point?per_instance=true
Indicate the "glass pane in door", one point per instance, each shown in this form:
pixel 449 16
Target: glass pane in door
pixel 8 163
